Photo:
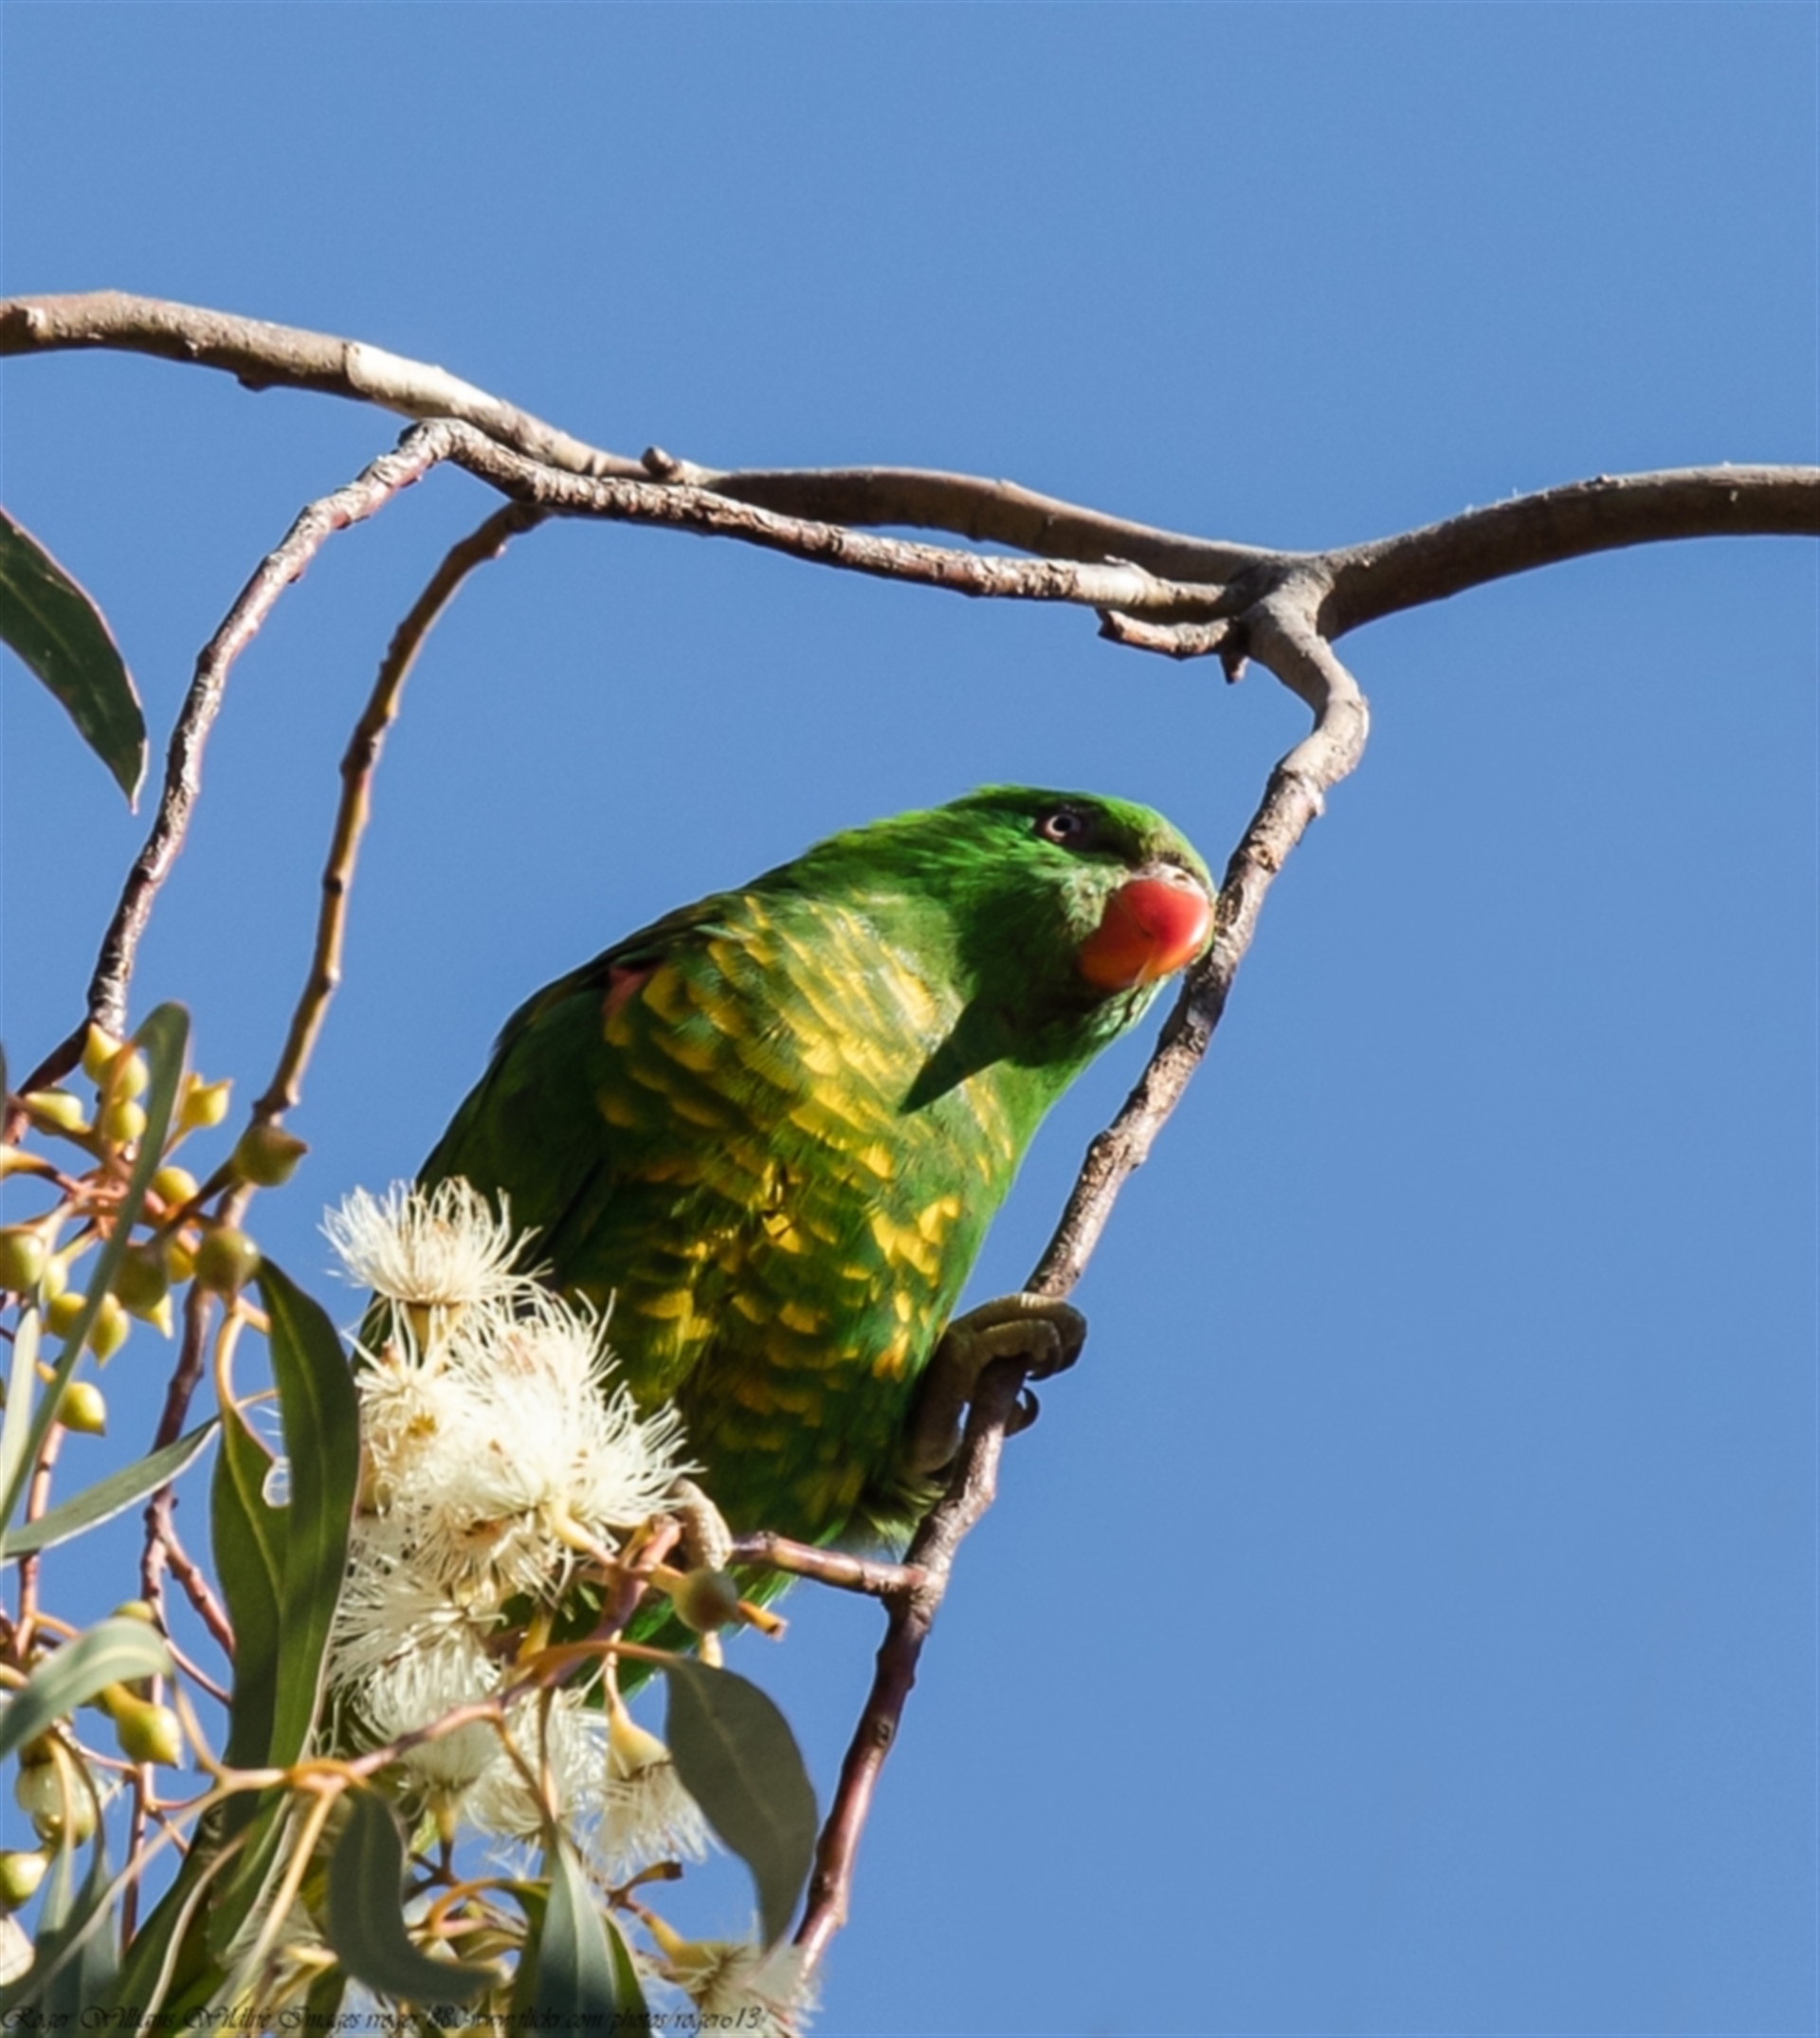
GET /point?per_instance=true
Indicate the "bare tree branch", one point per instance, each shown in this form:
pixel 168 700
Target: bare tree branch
pixel 1601 515
pixel 1282 635
pixel 970 1490
pixel 371 491
pixel 686 507
pixel 358 767
pixel 262 356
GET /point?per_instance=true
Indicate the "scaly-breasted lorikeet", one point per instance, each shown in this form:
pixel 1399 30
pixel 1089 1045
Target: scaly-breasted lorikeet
pixel 770 1130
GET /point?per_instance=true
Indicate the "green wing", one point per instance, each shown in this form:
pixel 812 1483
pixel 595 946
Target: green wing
pixel 709 1127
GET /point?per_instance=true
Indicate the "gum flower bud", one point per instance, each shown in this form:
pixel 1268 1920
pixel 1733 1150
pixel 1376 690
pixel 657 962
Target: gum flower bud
pixel 179 1261
pixel 108 1332
pixel 23 1257
pixel 266 1156
pixel 99 1049
pixel 47 1791
pixel 143 1281
pixel 122 1122
pixel 203 1104
pixel 20 1875
pixel 64 1308
pixel 226 1260
pixel 127 1074
pixel 706 1600
pixel 147 1732
pixel 57 1110
pixel 172 1186
pixel 82 1407
pixel 135 1609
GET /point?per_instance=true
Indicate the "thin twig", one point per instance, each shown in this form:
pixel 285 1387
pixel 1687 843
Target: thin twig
pixel 190 1574
pixel 913 1611
pixel 826 1567
pixel 369 492
pixel 161 1510
pixel 1282 636
pixel 357 769
pixel 682 506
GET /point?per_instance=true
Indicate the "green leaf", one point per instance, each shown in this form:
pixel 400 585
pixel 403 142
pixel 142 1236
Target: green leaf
pixel 162 1040
pixel 364 1922
pixel 22 1381
pixel 110 1653
pixel 249 1538
pixel 737 1758
pixel 582 1962
pixel 111 1495
pixel 321 1415
pixel 60 634
pixel 281 1568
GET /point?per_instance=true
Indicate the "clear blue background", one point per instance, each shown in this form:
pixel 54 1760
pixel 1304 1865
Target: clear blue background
pixel 1404 1620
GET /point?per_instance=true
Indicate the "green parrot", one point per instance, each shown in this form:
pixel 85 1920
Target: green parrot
pixel 769 1130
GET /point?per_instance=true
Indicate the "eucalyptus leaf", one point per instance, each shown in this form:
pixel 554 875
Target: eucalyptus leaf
pixel 110 1653
pixel 111 1495
pixel 321 1417
pixel 364 1922
pixel 248 1539
pixel 581 1963
pixel 737 1758
pixel 162 1040
pixel 57 630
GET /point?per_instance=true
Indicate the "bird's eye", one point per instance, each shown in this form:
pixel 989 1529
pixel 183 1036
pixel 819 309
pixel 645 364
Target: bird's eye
pixel 1066 825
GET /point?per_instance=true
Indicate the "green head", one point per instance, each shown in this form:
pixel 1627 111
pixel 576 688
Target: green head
pixel 1055 915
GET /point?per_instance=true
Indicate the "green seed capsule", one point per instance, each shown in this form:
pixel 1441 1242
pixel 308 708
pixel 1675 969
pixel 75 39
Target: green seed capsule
pixel 143 1282
pixel 705 1600
pixel 226 1260
pixel 267 1156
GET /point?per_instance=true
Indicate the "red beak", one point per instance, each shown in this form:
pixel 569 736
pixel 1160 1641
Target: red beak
pixel 1154 925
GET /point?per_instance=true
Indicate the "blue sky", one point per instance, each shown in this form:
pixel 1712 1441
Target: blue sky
pixel 1403 1619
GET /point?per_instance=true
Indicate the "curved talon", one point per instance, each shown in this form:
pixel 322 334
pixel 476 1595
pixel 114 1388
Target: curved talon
pixel 707 1540
pixel 1025 1411
pixel 1047 1335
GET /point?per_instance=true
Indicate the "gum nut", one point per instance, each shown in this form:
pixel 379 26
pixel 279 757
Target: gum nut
pixel 267 1156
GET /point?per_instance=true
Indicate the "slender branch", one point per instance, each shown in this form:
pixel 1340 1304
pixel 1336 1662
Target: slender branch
pixel 828 1567
pixel 971 506
pixel 1281 634
pixel 683 506
pixel 263 356
pixel 371 491
pixel 357 769
pixel 970 1493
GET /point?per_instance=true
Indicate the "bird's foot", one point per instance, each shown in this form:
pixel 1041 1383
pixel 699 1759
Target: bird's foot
pixel 1047 1334
pixel 707 1541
